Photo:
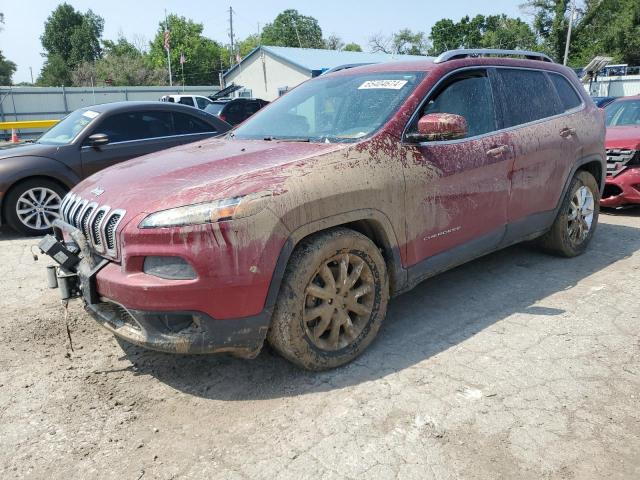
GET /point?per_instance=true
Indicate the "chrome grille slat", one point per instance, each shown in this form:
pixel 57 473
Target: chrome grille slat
pixel 96 236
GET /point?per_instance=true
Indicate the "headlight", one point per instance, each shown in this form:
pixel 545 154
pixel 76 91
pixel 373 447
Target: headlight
pixel 209 212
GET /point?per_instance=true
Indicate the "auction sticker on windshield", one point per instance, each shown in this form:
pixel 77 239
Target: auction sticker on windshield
pixel 90 114
pixel 388 84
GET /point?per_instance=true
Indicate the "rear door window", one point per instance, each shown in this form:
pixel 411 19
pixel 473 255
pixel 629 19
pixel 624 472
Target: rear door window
pixel 186 124
pixel 124 127
pixel 186 101
pixel 528 96
pixel 568 96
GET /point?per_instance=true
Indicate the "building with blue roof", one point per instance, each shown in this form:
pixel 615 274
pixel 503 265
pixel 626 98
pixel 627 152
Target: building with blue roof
pixel 267 72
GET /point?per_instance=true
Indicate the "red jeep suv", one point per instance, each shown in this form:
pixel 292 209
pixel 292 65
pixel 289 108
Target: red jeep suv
pixel 623 153
pixel 299 225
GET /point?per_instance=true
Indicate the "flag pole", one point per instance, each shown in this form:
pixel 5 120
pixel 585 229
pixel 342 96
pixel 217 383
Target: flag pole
pixel 167 45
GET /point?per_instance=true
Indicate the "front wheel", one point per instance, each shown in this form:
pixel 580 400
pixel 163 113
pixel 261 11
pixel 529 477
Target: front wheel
pixel 33 205
pixel 577 219
pixel 332 300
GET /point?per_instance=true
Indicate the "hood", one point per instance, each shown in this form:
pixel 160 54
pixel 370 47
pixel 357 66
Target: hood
pixel 624 137
pixel 27 150
pixel 198 172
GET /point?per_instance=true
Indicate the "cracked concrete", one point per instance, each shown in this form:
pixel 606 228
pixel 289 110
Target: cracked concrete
pixel 518 365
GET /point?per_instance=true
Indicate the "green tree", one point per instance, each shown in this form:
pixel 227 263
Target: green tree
pixel 550 23
pixel 7 69
pixel 406 42
pixel 204 57
pixel 55 72
pixel 292 29
pixel 352 47
pixel 248 44
pixel 70 38
pixel 403 42
pixel 122 64
pixel 493 31
pixel 607 27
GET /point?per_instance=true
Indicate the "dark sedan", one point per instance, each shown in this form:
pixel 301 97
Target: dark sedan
pixel 35 176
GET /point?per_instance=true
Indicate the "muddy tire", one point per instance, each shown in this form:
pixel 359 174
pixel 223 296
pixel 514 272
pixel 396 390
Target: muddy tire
pixel 32 205
pixel 577 219
pixel 332 300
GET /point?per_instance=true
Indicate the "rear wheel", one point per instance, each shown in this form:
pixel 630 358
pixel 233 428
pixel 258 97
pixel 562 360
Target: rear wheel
pixel 33 205
pixel 577 219
pixel 332 300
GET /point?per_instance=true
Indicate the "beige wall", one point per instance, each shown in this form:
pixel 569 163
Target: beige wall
pixel 279 74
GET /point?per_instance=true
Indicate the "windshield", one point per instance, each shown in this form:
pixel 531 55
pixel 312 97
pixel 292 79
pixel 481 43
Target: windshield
pixel 626 112
pixel 214 108
pixel 334 109
pixel 67 129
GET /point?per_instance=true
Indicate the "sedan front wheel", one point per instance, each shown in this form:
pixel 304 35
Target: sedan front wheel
pixel 33 205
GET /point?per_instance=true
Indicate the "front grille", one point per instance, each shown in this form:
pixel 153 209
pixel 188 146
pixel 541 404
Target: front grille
pixel 97 223
pixel 618 159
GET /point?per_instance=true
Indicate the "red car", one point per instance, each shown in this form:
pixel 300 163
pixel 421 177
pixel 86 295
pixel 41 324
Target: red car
pixel 353 187
pixel 623 153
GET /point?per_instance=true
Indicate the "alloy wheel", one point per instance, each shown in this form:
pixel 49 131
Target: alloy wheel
pixel 38 207
pixel 339 302
pixel 580 216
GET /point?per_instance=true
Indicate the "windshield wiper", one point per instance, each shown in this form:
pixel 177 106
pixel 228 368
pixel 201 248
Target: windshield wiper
pixel 301 139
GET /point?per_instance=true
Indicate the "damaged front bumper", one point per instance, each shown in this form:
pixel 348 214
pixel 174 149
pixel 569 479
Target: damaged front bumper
pixel 75 275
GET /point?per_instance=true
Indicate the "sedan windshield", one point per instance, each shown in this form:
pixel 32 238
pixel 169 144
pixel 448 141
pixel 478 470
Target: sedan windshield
pixel 625 112
pixel 338 108
pixel 67 129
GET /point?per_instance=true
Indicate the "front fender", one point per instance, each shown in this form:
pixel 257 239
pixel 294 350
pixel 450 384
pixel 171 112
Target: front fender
pixel 16 169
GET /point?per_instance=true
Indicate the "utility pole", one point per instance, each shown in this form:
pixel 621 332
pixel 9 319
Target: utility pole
pixel 566 47
pixel 31 71
pixel 231 35
pixel 167 45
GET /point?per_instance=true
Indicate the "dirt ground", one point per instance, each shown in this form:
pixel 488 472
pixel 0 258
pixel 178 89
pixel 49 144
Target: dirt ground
pixel 518 365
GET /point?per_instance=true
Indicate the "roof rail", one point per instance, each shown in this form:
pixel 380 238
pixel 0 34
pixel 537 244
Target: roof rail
pixel 487 52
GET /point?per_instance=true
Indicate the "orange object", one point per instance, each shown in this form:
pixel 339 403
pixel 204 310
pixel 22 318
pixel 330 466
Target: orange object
pixel 14 136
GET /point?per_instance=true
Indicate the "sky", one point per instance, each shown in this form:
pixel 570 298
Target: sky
pixel 353 21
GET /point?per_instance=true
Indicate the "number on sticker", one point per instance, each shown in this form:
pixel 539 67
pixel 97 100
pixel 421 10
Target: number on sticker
pixel 388 84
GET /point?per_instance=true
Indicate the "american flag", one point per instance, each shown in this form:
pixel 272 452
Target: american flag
pixel 166 40
pixel 182 59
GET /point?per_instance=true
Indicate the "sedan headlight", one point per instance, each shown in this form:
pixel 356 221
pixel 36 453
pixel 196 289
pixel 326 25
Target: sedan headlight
pixel 209 212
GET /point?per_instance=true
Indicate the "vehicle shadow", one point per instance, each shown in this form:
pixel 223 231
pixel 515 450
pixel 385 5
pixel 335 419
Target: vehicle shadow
pixel 7 233
pixel 438 314
pixel 630 211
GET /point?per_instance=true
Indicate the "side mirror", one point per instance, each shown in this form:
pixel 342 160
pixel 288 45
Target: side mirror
pixel 440 126
pixel 98 139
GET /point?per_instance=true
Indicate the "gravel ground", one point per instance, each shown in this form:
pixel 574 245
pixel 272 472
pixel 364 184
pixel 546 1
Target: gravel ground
pixel 518 365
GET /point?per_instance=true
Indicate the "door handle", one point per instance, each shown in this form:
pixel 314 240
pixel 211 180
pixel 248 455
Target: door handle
pixel 566 132
pixel 498 151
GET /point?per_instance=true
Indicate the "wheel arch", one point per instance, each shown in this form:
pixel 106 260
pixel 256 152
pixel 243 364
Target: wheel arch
pixel 16 183
pixel 370 222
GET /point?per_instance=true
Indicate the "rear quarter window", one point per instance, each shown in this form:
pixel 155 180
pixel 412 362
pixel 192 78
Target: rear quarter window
pixel 568 96
pixel 528 96
pixel 186 124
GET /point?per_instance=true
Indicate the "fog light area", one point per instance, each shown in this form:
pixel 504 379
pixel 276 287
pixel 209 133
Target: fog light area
pixel 170 268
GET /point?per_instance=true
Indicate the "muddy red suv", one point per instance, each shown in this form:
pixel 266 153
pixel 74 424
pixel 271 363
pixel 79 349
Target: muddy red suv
pixel 299 225
pixel 623 153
